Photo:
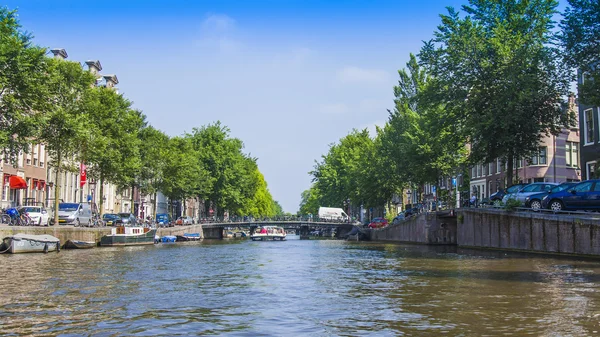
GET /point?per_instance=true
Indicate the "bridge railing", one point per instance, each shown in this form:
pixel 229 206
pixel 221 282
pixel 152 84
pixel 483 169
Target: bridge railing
pixel 241 219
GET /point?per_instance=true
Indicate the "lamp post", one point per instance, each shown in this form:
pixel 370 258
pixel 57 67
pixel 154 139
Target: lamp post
pixel 578 173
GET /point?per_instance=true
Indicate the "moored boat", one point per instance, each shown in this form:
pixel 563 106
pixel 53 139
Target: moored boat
pixel 77 244
pixel 30 243
pixel 268 233
pixel 129 236
pixel 168 238
pixel 189 237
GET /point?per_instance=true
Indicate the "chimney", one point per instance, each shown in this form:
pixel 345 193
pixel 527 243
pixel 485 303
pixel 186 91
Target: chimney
pixel 59 53
pixel 111 80
pixel 94 66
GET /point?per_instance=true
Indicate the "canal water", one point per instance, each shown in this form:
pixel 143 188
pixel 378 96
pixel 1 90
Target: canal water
pixel 297 288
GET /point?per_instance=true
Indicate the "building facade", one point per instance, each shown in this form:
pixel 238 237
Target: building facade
pixel 589 122
pixel 557 161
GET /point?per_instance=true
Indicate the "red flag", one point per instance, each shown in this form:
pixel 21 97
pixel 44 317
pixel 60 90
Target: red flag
pixel 82 175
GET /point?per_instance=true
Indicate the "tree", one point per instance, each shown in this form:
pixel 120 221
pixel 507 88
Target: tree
pixel 23 79
pixel 65 120
pixel 153 156
pixel 112 149
pixel 337 177
pixel 227 184
pixel 496 73
pixel 579 38
pixel 310 202
pixel 419 141
pixel 182 176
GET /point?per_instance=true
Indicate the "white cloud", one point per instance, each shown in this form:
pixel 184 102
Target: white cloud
pixel 218 23
pixel 333 108
pixel 361 75
pixel 217 34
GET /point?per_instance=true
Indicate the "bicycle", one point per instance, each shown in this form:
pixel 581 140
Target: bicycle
pixel 13 217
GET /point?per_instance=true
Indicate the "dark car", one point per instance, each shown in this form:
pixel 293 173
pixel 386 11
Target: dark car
pixel 534 201
pixel 110 219
pixel 378 223
pixel 496 198
pixel 582 196
pixel 126 219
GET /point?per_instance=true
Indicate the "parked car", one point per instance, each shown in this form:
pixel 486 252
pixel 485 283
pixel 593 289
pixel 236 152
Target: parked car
pixel 399 218
pixel 39 216
pixel 126 219
pixel 164 220
pixel 534 201
pixel 109 219
pixel 378 223
pixel 528 190
pixel 73 214
pixel 582 196
pixel 496 198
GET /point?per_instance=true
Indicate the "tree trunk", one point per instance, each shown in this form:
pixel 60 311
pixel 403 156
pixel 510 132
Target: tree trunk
pixel 132 200
pixel 154 203
pixel 509 170
pixel 101 208
pixel 57 189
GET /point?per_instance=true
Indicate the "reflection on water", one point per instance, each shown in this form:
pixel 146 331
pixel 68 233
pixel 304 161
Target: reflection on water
pixel 316 288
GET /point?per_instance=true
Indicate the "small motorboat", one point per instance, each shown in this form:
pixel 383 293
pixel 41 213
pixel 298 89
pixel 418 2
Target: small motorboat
pixel 268 233
pixel 29 243
pixel 168 239
pixel 76 244
pixel 189 237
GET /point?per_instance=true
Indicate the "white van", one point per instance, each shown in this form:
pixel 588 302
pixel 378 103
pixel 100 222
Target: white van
pixel 332 213
pixel 76 214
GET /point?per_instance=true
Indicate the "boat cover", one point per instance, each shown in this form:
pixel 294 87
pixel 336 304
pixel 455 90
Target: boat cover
pixel 45 238
pixel 192 235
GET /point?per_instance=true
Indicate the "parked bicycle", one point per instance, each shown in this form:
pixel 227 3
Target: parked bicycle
pixel 13 217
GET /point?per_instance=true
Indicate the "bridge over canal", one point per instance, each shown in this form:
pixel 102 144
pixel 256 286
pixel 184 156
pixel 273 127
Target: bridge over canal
pixel 302 228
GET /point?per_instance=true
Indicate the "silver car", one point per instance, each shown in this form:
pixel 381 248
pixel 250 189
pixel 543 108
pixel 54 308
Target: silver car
pixel 528 190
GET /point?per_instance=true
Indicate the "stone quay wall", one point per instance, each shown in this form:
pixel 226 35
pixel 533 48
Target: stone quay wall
pixel 529 231
pixel 427 228
pixel 63 233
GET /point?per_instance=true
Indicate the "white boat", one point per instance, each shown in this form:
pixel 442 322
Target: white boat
pixel 29 243
pixel 129 236
pixel 268 233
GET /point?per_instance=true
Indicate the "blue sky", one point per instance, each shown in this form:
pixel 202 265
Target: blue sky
pixel 287 77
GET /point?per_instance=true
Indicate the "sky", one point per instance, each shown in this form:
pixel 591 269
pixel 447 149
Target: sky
pixel 287 77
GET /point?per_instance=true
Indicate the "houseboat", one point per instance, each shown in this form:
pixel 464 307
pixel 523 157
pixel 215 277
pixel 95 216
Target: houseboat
pixel 129 236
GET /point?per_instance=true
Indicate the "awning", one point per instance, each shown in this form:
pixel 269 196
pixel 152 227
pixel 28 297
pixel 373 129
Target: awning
pixel 16 183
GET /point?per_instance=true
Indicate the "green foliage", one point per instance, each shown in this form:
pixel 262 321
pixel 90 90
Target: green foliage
pixel 579 38
pixel 499 77
pixel 511 204
pixel 311 201
pixel 23 85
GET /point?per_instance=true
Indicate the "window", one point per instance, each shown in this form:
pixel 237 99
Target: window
pixel 498 166
pixel 484 168
pixel 490 168
pixel 540 158
pixel 28 161
pixel 588 126
pixel 538 180
pixel 41 164
pixel 35 161
pixel 583 187
pixel 479 170
pixel 597 187
pixel 572 156
pixel 590 168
